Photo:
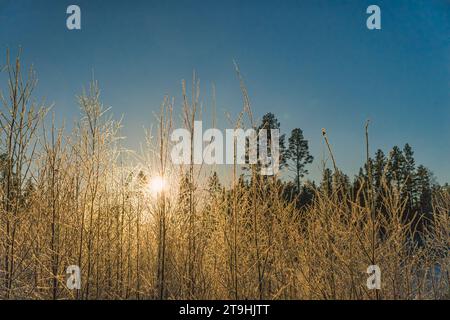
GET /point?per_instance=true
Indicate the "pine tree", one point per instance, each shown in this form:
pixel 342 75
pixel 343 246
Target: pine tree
pixel 395 173
pixel 298 153
pixel 409 178
pixel 378 168
pixel 307 194
pixel 270 122
pixel 424 189
pixel 327 181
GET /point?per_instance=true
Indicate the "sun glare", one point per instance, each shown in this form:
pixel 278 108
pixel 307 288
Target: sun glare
pixel 157 185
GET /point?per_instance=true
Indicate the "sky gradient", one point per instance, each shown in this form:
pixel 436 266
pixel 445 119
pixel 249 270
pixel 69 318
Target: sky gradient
pixel 313 63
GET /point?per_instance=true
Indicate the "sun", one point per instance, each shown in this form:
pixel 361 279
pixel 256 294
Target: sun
pixel 156 185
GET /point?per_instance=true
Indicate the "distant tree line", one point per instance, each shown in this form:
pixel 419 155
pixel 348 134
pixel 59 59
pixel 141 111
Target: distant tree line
pixel 415 185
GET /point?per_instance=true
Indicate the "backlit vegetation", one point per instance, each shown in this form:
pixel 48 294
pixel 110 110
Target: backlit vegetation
pixel 142 228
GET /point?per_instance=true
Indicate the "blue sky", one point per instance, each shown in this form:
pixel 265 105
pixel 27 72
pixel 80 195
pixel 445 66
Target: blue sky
pixel 312 63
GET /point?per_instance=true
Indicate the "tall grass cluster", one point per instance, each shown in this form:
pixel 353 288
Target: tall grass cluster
pixel 79 198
